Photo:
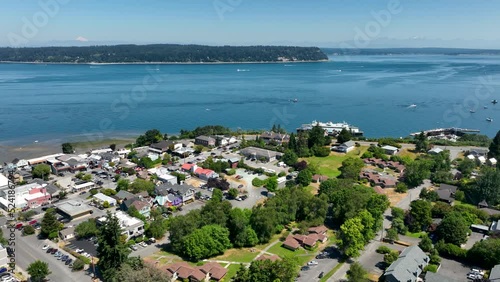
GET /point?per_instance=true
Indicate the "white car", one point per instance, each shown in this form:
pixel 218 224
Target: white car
pixel 45 247
pixel 313 262
pixel 79 251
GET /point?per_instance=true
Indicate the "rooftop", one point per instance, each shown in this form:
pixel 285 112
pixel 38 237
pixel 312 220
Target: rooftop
pixel 495 273
pixel 73 208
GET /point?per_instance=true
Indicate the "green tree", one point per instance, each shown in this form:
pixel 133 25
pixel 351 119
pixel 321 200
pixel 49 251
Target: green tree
pixel 272 184
pixel 397 213
pixel 292 143
pixel 304 177
pixel 263 221
pixel 399 225
pixel 233 193
pixel 140 185
pixel 401 187
pixel 38 271
pixel 351 237
pixel 453 229
pixel 28 230
pixel 356 273
pixel 157 228
pixel 369 223
pixel 289 157
pixel 488 186
pixel 111 251
pixel 105 204
pixel 494 149
pixel 49 224
pixel 391 257
pixel 421 143
pixel 485 253
pixel 429 195
pixel 316 137
pixel 392 234
pixel 144 272
pixel 67 148
pixel 416 172
pixel 78 265
pixel 466 166
pixel 87 229
pixel 150 137
pixel 425 243
pixel 344 136
pixel 420 215
pixel 441 176
pixel 41 171
pixel 210 240
pixel 351 167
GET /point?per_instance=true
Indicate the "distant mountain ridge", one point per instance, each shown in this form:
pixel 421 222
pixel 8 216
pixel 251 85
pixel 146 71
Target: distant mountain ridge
pixel 162 53
pixel 409 51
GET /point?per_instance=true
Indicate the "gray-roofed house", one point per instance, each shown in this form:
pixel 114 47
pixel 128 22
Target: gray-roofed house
pixel 495 273
pixel 258 153
pixel 390 150
pixel 408 266
pixel 345 147
pixel 435 151
pixel 206 141
pixel 446 193
pixel 67 233
pixel 185 192
pixel 123 195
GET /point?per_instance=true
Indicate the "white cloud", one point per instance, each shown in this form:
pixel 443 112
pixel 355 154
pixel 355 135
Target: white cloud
pixel 81 39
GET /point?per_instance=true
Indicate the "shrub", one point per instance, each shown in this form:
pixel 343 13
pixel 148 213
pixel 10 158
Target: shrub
pixel 78 264
pixel 257 182
pixel 401 187
pixel 28 230
pixel 435 259
pixel 85 260
pixel 431 268
pixel 451 250
pixel 383 250
pixel 279 228
pixel 231 172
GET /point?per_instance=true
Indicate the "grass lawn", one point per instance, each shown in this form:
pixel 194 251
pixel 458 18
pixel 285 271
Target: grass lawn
pixel 237 255
pixel 407 153
pixel 415 235
pixel 231 272
pixel 331 272
pixel 329 166
pixel 302 255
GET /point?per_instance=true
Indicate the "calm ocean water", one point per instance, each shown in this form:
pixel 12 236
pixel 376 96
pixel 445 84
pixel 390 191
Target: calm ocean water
pixel 68 102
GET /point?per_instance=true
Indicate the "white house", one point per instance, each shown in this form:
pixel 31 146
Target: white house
pixel 345 147
pixel 435 151
pixel 101 198
pixel 482 159
pixel 390 150
pixel 131 226
pixel 492 161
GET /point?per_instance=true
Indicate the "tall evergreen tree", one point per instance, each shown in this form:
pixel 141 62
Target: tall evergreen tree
pixel 292 143
pixel 111 251
pixel 495 147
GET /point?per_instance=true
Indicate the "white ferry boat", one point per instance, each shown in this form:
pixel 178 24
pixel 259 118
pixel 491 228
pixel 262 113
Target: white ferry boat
pixel 332 128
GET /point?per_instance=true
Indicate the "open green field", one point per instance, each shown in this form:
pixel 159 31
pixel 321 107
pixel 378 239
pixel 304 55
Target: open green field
pixel 237 255
pixel 329 166
pixel 302 255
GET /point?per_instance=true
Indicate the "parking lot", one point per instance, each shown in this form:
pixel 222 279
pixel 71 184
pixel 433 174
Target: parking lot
pixel 454 270
pixel 324 265
pixel 88 246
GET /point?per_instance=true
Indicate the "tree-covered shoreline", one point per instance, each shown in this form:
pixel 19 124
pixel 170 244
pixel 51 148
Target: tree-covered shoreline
pixel 162 53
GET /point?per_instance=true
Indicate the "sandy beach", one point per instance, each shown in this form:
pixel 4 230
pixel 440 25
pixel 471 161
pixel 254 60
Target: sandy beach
pixel 10 152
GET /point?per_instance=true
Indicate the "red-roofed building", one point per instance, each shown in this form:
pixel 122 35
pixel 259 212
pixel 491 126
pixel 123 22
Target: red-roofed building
pixel 291 243
pixel 318 229
pixel 205 173
pixel 310 240
pixel 187 167
pixel 214 270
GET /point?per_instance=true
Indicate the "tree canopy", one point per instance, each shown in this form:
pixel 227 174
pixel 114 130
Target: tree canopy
pixel 453 229
pixel 38 270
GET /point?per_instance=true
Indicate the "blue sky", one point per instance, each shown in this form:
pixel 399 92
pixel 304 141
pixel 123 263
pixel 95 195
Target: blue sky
pixel 418 23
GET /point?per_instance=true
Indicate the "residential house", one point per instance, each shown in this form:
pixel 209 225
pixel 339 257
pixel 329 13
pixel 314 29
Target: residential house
pixel 57 166
pixel 492 161
pixel 268 257
pixel 408 267
pixel 318 230
pixel 101 151
pixel 185 192
pixel 168 200
pixel 214 270
pixel 183 271
pixel 100 198
pixel 435 151
pixel 160 147
pixel 274 137
pixel 130 226
pixel 123 195
pixel 379 190
pixel 186 143
pixel 123 153
pixel 446 193
pixel 291 243
pixel 205 173
pixel 67 233
pixel 260 154
pixel 307 241
pixel 345 147
pixel 233 162
pixel 479 152
pixel 378 179
pixel 141 205
pixel 494 274
pixel 110 157
pixel 20 163
pixel 206 141
pixel 390 150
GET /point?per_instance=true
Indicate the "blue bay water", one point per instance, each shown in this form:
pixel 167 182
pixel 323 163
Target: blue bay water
pixel 67 102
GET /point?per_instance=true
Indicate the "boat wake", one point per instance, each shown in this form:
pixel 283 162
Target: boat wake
pixel 242 70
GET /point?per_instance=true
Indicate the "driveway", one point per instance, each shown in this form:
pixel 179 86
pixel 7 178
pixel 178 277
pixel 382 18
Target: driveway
pixel 324 265
pixel 372 261
pixel 29 248
pixel 473 238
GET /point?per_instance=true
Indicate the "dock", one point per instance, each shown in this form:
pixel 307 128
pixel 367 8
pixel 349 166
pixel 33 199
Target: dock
pixel 447 131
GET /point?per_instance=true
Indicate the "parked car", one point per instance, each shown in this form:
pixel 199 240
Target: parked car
pixel 305 268
pixel 312 262
pixel 45 247
pixel 321 274
pixel 240 186
pixel 83 192
pixel 49 250
pixel 244 197
pixel 133 247
pixel 79 250
pixel 68 261
pixel 53 251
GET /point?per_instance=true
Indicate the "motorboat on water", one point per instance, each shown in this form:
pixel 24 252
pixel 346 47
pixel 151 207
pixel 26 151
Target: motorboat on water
pixel 485 107
pixel 472 111
pixel 494 101
pixel 412 106
pixel 489 119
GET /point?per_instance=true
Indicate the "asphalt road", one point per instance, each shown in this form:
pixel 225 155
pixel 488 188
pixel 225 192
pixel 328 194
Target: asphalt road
pixel 29 249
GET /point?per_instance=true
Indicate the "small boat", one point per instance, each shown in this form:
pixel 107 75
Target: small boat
pixel 494 101
pixel 36 141
pixel 295 100
pixel 489 119
pixel 472 111
pixel 412 106
pixel 485 107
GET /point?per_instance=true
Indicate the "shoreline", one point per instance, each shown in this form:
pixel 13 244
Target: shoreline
pixel 165 63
